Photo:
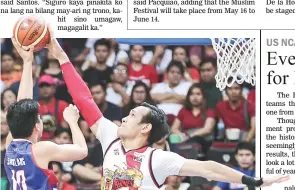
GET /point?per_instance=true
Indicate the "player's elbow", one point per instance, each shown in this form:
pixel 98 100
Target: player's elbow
pixel 83 153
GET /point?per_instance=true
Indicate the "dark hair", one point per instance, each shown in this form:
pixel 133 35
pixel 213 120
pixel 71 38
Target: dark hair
pixel 157 118
pixel 182 47
pixel 188 104
pixel 131 103
pixel 102 42
pixel 209 60
pixel 188 62
pixel 2 96
pixel 22 117
pixel 245 146
pixel 98 83
pixel 132 46
pixel 175 64
pixel 7 53
pixel 61 130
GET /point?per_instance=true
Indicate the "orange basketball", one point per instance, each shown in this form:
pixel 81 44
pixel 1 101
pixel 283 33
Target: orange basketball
pixel 31 30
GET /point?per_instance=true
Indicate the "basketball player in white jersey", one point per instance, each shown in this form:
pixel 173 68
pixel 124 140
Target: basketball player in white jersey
pixel 129 161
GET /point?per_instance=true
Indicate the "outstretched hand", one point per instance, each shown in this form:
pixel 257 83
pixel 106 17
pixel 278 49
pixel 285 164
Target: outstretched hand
pixel 55 49
pixel 276 179
pixel 27 56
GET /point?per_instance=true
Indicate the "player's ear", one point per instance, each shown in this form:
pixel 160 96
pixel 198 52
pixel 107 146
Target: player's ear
pixel 146 128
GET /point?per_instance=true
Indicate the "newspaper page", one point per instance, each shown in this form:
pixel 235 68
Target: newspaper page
pixel 221 71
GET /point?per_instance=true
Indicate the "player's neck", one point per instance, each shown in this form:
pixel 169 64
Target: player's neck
pixel 132 144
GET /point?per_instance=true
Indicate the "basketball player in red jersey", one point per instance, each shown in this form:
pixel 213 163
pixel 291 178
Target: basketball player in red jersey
pixel 129 161
pixel 26 159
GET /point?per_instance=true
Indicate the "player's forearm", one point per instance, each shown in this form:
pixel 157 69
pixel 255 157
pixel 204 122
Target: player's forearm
pixel 78 138
pixel 85 173
pixel 80 94
pixel 217 172
pixel 211 170
pixel 26 83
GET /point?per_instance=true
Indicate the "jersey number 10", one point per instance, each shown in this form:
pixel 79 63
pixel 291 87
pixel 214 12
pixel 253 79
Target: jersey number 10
pixel 19 180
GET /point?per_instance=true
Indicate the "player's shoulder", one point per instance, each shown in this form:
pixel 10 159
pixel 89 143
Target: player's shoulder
pixel 44 146
pixel 160 154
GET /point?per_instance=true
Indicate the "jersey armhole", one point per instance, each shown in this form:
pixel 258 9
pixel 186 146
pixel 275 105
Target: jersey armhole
pixel 151 170
pixel 117 139
pixel 34 159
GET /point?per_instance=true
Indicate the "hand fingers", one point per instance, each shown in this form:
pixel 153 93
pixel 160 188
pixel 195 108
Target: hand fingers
pixel 15 44
pixel 283 178
pixel 50 31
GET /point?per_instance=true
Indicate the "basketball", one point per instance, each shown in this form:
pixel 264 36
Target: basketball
pixel 31 30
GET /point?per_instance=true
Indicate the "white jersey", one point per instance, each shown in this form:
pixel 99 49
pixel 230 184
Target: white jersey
pixel 140 169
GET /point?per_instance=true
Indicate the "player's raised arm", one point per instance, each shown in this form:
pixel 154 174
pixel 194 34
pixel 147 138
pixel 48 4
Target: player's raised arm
pixel 26 83
pixel 103 129
pixel 67 152
pixel 219 172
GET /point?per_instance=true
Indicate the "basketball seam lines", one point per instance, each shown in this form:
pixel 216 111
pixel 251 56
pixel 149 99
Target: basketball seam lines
pixel 27 32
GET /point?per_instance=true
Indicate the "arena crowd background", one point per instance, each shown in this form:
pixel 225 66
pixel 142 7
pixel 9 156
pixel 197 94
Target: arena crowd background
pixel 206 123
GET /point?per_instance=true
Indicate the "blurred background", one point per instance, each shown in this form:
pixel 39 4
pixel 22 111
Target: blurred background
pixel 206 123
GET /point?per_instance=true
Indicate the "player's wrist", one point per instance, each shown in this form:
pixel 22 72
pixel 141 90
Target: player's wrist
pixel 251 181
pixel 63 60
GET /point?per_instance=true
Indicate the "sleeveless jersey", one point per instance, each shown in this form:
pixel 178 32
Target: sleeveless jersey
pixel 128 170
pixel 22 171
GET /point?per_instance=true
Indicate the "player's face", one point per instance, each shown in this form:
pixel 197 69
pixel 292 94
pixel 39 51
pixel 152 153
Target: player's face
pixel 208 72
pixel 180 55
pixel 139 95
pixel 39 128
pixel 120 74
pixel 8 98
pixel 7 63
pixel 196 97
pixel 234 92
pixel 245 159
pixel 131 125
pixel 174 76
pixel 137 53
pixel 98 94
pixel 101 53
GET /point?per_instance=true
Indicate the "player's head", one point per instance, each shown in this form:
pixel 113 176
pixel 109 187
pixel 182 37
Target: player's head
pixel 245 155
pixel 145 121
pixel 24 120
pixel 234 92
pixel 102 49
